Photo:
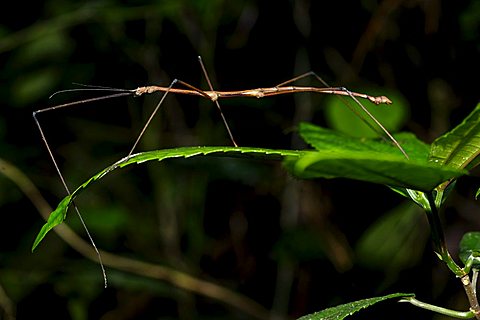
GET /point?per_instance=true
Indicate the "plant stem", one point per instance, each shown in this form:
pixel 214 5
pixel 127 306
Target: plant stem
pixel 438 237
pixel 474 280
pixel 441 249
pixel 470 290
pixel 451 313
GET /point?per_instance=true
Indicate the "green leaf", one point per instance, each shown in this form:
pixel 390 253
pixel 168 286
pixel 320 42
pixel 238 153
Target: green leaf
pixel 322 138
pixel 59 215
pixel 375 161
pixel 470 249
pixel 460 147
pixel 372 160
pixel 55 218
pixel 376 167
pixel 342 311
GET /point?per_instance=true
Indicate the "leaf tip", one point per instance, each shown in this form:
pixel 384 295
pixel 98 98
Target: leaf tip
pixel 55 218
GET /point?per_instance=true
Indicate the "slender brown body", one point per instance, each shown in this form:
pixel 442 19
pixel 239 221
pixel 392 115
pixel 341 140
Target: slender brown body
pixel 260 92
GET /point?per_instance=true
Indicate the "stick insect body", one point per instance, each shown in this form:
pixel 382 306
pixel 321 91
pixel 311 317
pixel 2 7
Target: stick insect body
pixel 214 96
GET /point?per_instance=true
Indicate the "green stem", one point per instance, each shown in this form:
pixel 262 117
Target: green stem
pixel 438 237
pixel 437 309
pixel 441 249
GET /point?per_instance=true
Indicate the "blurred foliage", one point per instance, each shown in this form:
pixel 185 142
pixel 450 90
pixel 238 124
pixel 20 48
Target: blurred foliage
pixel 340 118
pixel 395 241
pixel 232 222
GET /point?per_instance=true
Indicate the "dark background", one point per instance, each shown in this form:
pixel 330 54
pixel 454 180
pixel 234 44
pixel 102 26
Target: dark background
pixel 293 247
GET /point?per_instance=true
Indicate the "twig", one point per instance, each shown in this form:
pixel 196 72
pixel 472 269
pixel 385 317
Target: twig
pixel 7 305
pixel 471 292
pixel 176 278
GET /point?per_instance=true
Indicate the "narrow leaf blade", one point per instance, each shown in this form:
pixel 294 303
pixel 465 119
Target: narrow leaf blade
pixel 55 218
pixel 342 311
pixel 59 215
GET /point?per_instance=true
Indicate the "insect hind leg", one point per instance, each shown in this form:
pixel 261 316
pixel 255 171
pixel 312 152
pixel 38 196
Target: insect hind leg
pixel 342 91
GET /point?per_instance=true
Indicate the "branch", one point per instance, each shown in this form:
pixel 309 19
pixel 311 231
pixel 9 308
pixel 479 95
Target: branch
pixel 174 277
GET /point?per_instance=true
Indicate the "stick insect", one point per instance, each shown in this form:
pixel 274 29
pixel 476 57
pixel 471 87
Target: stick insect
pixel 214 96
